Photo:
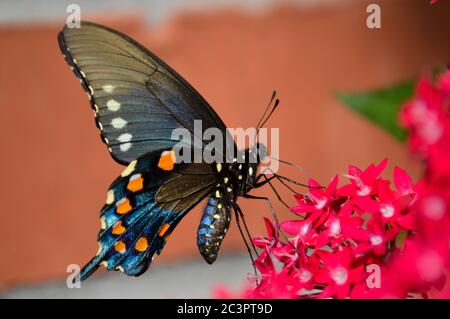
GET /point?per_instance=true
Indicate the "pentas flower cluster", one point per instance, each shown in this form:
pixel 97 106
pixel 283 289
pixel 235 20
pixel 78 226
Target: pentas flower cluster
pixel 369 238
pixel 340 231
pixel 427 117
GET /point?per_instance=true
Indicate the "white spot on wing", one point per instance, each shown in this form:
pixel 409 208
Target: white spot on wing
pixel 125 147
pixel 118 123
pixel 130 168
pixel 100 248
pixel 113 105
pixel 108 88
pixel 126 137
pixel 110 197
pixel 103 222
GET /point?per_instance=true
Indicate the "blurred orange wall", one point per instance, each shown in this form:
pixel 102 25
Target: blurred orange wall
pixel 55 170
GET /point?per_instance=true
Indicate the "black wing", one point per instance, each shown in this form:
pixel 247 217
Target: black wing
pixel 143 207
pixel 137 99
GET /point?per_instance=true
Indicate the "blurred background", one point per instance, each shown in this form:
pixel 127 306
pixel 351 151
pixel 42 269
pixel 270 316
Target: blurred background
pixel 55 169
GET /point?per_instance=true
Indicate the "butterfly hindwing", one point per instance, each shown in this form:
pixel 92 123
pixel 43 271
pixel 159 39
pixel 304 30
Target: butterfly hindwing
pixel 143 207
pixel 137 99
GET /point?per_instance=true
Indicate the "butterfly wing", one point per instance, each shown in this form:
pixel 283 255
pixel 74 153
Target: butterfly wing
pixel 143 207
pixel 137 99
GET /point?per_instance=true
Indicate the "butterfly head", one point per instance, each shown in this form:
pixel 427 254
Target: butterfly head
pixel 257 153
pixel 261 151
pixel 254 155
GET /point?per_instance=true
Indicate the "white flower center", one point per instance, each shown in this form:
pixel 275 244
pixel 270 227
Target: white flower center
pixel 387 210
pixel 335 227
pixel 305 275
pixel 340 275
pixel 434 207
pixel 376 240
pixel 305 229
pixel 418 111
pixel 364 190
pixel 431 131
pixel 321 203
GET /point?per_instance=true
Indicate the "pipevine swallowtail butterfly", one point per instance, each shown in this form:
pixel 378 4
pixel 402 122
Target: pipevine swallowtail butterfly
pixel 138 100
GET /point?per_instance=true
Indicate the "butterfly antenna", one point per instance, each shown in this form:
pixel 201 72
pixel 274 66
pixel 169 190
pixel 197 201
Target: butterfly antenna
pixel 277 101
pixel 274 93
pixel 284 179
pixel 272 98
pixel 299 167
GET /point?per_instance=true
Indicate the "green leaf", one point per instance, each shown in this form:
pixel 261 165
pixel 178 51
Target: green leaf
pixel 400 239
pixel 381 106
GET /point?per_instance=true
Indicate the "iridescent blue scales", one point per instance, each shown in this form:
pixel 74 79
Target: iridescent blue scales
pixel 140 214
pixel 213 227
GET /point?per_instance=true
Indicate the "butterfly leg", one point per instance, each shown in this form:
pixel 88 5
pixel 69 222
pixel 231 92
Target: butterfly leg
pixel 277 222
pixel 236 210
pixel 268 181
pixel 269 203
pixel 241 214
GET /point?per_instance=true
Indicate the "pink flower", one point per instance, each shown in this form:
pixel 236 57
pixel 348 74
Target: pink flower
pixel 362 182
pixel 318 199
pixel 272 237
pixel 337 274
pixel 444 81
pixel 420 265
pixel 423 117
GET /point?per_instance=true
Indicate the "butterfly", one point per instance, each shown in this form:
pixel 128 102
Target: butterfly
pixel 137 101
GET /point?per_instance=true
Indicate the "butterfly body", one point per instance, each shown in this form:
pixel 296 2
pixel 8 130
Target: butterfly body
pixel 138 101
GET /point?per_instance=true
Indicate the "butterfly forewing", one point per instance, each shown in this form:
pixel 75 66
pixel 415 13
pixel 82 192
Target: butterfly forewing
pixel 137 99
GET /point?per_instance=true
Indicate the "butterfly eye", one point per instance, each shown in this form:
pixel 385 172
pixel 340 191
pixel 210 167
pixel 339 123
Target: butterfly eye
pixel 261 151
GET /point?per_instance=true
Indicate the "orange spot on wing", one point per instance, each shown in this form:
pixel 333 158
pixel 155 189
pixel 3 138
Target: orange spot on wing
pixel 167 160
pixel 136 183
pixel 164 229
pixel 118 228
pixel 120 247
pixel 123 206
pixel 141 244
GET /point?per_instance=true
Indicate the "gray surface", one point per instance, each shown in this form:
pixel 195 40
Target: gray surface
pixel 156 11
pixel 195 279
